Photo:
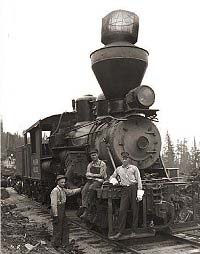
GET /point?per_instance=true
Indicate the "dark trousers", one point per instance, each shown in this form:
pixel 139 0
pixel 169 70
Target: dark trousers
pixel 61 229
pixel 128 199
pixel 88 192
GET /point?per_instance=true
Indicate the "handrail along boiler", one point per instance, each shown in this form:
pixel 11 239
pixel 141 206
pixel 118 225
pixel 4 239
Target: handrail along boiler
pixel 120 119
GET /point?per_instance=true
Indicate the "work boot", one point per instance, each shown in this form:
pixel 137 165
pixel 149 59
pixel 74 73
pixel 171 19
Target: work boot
pixel 132 235
pixel 84 216
pixel 114 237
pixel 80 211
pixel 59 249
pixel 67 248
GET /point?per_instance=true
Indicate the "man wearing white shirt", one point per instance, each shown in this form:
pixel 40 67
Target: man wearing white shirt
pixel 128 176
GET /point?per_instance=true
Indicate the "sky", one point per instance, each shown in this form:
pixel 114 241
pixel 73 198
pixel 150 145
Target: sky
pixel 45 49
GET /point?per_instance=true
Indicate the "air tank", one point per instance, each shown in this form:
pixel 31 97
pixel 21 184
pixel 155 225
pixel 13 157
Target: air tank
pixel 120 65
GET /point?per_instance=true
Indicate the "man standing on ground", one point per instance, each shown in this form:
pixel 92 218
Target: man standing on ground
pixel 60 237
pixel 129 177
pixel 96 174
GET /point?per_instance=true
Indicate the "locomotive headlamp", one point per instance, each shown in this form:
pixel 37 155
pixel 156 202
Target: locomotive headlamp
pixel 145 96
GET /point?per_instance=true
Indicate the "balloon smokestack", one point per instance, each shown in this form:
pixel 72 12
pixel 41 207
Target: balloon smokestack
pixel 120 65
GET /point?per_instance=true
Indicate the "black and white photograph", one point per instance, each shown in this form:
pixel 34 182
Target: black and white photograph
pixel 100 136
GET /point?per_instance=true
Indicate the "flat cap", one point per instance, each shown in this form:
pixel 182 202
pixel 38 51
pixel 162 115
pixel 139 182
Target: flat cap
pixel 93 151
pixel 125 155
pixel 60 177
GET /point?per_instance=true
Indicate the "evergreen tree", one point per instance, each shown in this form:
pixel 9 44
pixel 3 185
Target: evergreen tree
pixel 195 157
pixel 178 152
pixel 168 152
pixel 184 165
pixel 1 123
pixel 9 142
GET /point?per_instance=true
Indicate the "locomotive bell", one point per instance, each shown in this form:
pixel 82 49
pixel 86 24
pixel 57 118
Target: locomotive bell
pixel 120 65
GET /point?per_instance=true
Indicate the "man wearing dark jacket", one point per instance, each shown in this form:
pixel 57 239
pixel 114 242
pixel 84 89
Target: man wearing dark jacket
pixel 60 237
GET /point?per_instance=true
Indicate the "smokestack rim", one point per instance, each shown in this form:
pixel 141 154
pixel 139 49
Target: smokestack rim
pixel 119 51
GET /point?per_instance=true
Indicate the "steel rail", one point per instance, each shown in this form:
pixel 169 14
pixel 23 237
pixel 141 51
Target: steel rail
pixel 114 243
pixel 186 240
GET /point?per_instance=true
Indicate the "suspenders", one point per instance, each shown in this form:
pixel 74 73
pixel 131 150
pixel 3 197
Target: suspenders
pixel 60 201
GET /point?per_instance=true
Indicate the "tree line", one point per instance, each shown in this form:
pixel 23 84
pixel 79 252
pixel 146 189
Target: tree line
pixel 9 142
pixel 181 155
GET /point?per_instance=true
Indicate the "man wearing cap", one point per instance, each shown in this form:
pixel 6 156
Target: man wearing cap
pixel 60 224
pixel 96 174
pixel 128 176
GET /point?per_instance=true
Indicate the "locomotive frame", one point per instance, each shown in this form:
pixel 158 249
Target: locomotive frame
pixel 118 120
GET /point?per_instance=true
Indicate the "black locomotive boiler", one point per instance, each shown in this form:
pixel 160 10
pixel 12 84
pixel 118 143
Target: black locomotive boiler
pixel 120 119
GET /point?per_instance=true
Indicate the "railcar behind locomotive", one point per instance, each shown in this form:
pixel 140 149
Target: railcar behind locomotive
pixel 120 119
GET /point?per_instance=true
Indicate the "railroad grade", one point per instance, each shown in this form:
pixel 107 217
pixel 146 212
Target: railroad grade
pixel 161 243
pixel 91 241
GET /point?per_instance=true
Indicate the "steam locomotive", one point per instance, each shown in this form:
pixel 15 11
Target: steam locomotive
pixel 120 119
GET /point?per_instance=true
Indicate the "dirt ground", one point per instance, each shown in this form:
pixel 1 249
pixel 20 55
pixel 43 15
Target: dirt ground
pixel 23 230
pixel 26 228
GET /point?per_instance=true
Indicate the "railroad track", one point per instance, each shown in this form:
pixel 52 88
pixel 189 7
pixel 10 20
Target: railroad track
pixel 191 236
pixel 90 241
pixel 186 243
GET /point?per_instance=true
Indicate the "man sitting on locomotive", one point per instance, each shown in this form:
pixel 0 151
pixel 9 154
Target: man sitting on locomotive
pixel 96 174
pixel 128 176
